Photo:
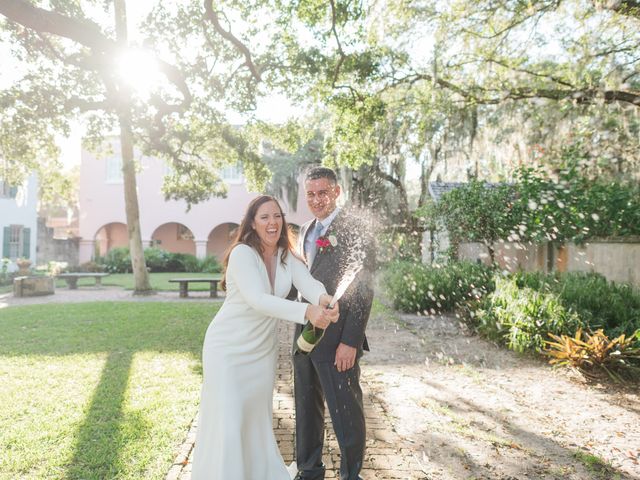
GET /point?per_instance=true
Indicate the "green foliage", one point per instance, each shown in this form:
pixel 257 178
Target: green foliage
pixel 91 267
pixel 399 246
pixel 414 287
pixel 290 149
pixel 156 259
pixel 522 317
pixel 210 264
pixel 476 212
pixel 614 307
pixel 177 262
pixel 117 260
pixel 5 276
pixel 574 207
pixel 525 307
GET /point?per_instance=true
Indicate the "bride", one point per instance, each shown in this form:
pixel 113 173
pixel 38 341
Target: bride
pixel 235 439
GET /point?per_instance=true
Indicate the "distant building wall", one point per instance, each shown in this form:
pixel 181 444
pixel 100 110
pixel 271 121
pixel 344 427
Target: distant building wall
pixel 616 259
pixel 55 249
pixel 19 220
pixel 101 202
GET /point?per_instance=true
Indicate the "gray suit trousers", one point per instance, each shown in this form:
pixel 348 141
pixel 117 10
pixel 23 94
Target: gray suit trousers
pixel 314 382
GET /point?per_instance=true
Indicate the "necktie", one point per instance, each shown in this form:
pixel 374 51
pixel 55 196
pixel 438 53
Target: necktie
pixel 312 247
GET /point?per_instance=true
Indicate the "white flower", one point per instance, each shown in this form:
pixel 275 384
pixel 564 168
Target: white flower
pixel 333 240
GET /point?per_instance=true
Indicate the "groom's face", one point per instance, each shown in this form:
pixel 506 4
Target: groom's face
pixel 322 195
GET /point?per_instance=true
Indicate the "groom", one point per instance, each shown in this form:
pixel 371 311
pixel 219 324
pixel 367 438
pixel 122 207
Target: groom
pixel 331 371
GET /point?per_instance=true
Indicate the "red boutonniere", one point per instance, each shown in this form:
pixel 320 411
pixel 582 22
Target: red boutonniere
pixel 325 244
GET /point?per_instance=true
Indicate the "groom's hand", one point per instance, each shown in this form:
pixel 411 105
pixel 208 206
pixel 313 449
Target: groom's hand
pixel 345 357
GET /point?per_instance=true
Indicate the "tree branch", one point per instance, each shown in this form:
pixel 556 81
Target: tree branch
pixel 336 71
pixel 531 72
pixel 213 17
pixel 484 96
pixel 84 32
pixel 629 8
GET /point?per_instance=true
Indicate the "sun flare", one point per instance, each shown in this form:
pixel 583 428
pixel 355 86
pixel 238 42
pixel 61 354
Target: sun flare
pixel 139 69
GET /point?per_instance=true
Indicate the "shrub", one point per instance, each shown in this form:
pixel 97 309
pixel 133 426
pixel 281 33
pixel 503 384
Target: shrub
pixel 614 307
pixel 210 264
pixel 117 260
pixel 156 259
pixel 6 278
pixel 522 317
pixel 596 353
pixel 433 289
pixel 175 262
pixel 190 263
pixel 159 260
pixel 91 267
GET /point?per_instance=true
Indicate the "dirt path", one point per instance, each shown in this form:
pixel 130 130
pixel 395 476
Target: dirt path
pixel 475 411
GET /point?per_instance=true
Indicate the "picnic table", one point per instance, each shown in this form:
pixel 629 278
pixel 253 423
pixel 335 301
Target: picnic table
pixel 72 278
pixel 184 285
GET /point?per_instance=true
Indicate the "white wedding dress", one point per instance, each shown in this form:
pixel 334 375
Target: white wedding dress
pixel 235 439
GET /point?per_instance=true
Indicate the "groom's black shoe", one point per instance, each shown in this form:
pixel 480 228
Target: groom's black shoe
pixel 301 476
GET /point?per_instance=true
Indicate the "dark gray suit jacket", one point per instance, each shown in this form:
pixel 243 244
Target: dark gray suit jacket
pixel 354 245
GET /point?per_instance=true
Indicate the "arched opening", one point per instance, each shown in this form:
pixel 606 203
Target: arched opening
pixel 220 238
pixel 110 236
pixel 174 237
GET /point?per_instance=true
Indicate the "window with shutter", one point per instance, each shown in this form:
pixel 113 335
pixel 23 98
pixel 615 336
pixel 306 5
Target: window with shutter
pixel 16 241
pixel 26 243
pixel 6 234
pixel 7 191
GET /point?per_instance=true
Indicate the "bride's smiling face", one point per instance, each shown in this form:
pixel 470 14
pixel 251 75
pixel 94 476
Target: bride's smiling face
pixel 268 224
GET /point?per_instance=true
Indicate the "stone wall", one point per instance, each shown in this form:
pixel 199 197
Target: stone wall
pixel 33 286
pixel 54 249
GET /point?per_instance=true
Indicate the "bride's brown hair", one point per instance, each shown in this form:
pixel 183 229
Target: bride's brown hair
pixel 246 235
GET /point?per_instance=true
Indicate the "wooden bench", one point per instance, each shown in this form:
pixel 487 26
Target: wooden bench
pixel 184 285
pixel 72 278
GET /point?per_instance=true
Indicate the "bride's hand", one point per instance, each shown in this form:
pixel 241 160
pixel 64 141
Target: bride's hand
pixel 316 315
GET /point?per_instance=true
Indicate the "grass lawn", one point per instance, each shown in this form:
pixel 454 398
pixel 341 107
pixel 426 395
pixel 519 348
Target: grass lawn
pixel 159 281
pixel 99 390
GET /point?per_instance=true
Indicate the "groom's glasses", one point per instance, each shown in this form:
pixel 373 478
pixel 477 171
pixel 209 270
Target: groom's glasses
pixel 321 195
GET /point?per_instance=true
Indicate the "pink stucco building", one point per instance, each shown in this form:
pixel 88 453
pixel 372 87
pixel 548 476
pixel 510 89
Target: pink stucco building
pixel 204 230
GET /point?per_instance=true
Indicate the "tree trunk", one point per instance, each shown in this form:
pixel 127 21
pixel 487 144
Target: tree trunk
pixel 138 265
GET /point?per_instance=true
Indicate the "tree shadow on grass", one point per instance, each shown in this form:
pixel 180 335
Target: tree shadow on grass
pixel 119 332
pixel 100 436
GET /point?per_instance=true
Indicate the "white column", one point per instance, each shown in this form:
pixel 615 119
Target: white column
pixel 146 243
pixel 201 248
pixel 86 250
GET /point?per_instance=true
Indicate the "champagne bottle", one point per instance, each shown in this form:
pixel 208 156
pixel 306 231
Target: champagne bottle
pixel 309 338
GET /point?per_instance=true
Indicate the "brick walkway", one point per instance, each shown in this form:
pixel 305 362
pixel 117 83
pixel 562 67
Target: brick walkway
pixel 387 456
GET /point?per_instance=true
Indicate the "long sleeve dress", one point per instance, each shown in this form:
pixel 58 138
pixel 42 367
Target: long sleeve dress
pixel 235 439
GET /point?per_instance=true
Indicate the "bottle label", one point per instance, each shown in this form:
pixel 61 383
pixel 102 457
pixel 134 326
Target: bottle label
pixel 303 345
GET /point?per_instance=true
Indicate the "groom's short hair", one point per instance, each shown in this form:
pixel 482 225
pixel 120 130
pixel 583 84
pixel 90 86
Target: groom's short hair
pixel 315 173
